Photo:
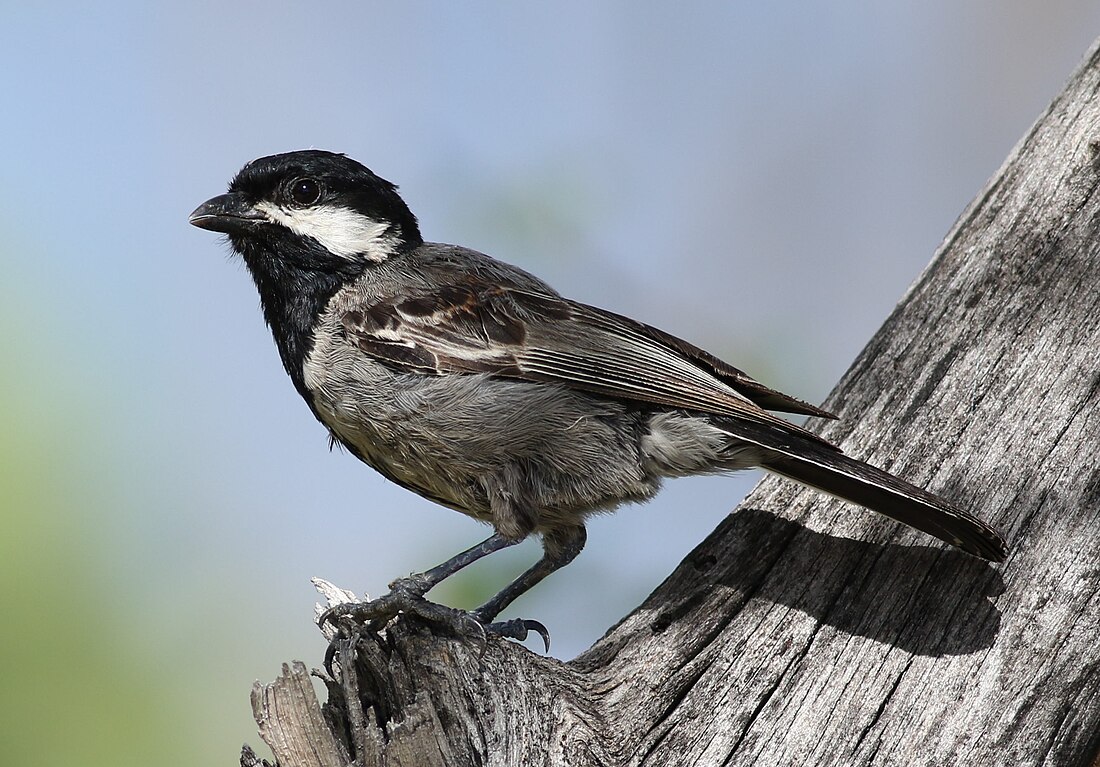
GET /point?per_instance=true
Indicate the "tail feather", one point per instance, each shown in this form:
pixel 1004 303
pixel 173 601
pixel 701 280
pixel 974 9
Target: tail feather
pixel 831 471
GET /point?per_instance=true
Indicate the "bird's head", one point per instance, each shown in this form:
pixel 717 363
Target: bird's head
pixel 311 211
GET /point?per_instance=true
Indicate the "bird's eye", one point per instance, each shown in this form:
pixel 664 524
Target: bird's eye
pixel 305 191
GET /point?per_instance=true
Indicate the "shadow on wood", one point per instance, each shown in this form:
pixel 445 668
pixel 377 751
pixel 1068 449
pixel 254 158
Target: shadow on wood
pixel 833 580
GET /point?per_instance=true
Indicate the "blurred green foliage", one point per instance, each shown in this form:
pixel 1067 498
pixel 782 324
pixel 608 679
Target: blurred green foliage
pixel 81 685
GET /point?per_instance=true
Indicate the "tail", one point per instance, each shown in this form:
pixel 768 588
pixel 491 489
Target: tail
pixel 824 467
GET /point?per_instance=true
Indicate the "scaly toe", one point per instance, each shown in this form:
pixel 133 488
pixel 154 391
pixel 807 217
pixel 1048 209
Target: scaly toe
pixel 518 629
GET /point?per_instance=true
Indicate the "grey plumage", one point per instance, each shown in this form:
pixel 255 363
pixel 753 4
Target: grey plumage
pixel 473 383
pixel 527 456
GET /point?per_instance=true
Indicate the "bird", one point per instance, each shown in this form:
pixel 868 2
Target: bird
pixel 476 385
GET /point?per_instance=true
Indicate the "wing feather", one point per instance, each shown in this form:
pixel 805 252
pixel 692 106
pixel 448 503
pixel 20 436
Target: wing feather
pixel 506 331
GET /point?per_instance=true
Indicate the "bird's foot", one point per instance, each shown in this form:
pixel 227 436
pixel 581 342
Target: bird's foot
pixel 406 596
pixel 373 615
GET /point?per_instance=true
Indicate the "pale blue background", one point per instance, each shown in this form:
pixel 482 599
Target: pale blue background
pixel 763 179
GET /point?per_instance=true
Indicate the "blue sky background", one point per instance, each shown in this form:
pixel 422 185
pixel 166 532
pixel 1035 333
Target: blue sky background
pixel 764 180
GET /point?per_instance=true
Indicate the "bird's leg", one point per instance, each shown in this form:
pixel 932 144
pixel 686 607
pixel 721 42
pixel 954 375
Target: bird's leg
pixel 419 584
pixel 560 547
pixel 407 594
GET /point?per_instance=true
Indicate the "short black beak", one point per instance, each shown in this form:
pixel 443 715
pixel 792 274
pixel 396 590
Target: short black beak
pixel 226 213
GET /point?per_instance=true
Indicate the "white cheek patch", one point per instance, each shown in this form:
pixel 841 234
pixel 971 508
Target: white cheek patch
pixel 341 231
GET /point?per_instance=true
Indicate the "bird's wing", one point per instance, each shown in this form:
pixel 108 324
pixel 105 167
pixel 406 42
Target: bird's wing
pixel 476 327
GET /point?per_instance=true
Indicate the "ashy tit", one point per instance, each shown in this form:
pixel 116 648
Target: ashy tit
pixel 476 385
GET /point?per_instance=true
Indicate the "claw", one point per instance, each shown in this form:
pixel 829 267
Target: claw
pixel 339 647
pixel 332 614
pixel 330 657
pixel 479 627
pixel 518 628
